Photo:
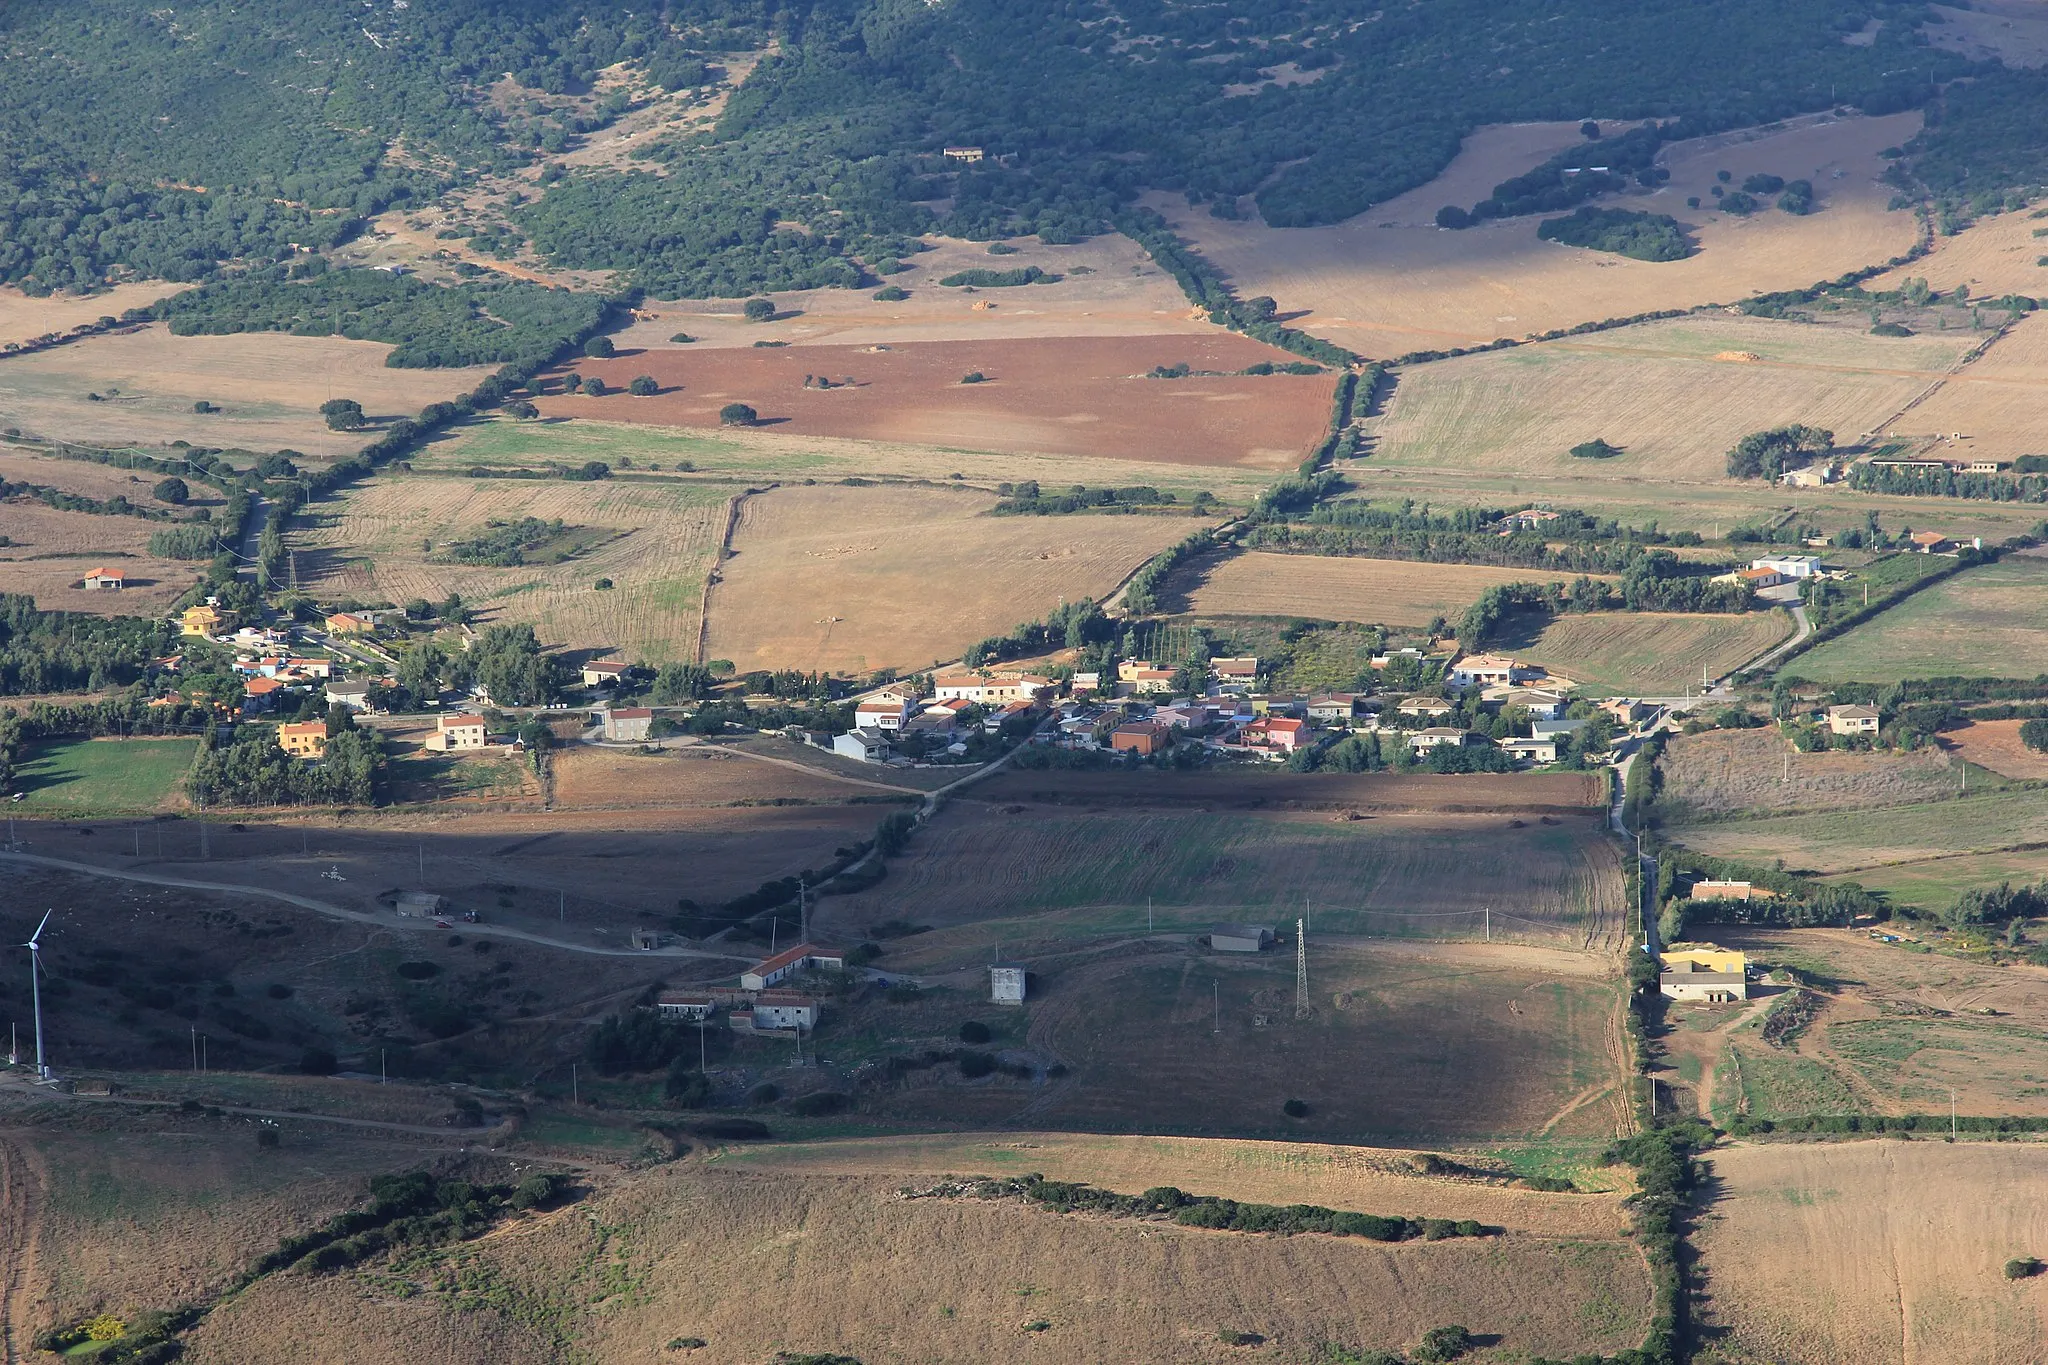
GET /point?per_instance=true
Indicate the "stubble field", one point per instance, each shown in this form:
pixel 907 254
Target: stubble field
pixel 1389 281
pixel 1876 1253
pixel 1983 622
pixel 855 579
pixel 1994 256
pixel 22 317
pixel 1657 654
pixel 1850 841
pixel 1726 772
pixel 21 464
pixel 269 388
pixel 1992 408
pixel 51 551
pixel 655 542
pixel 1324 588
pixel 1065 396
pixel 1673 395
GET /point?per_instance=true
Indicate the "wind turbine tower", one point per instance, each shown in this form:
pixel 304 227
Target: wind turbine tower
pixel 35 973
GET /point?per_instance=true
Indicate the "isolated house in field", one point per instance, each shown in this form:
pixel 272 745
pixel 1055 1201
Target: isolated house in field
pixel 780 1012
pixel 628 723
pixel 1007 982
pixel 787 963
pixel 1703 972
pixel 1240 938
pixel 1854 720
pixel 97 579
pixel 457 734
pixel 304 739
pixel 1931 542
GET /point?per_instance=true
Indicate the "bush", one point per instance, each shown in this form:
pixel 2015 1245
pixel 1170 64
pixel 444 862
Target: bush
pixel 643 386
pixel 598 347
pixel 173 491
pixel 2034 734
pixel 1891 329
pixel 1595 449
pixel 602 585
pixel 342 414
pixel 2023 1268
pixel 891 294
pixel 975 1065
pixel 682 339
pixel 1443 1344
pixel 1295 1109
pixel 594 387
pixel 767 1092
pixel 418 971
pixel 737 415
pixel 267 1139
pixel 974 1031
pixel 974 377
pixel 1625 232
pixel 758 310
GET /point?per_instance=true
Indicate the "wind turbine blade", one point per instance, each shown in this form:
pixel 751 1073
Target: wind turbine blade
pixel 37 935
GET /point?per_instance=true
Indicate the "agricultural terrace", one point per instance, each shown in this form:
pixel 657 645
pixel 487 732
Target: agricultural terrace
pixel 742 452
pixel 1874 1253
pixel 1091 873
pixel 1393 592
pixel 267 385
pixel 386 538
pixel 49 553
pixel 942 1280
pixel 102 776
pixel 1657 654
pixel 855 579
pixel 1996 745
pixel 1728 772
pixel 1066 396
pixel 1851 841
pixel 1108 287
pixel 1673 395
pixel 1986 622
pixel 1389 281
pixel 1995 402
pixel 1462 1046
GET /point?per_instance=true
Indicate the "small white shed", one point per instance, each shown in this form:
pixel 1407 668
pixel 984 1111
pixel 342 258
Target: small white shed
pixel 1006 983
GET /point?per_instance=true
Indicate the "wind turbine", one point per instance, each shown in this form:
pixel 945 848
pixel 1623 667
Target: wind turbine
pixel 35 973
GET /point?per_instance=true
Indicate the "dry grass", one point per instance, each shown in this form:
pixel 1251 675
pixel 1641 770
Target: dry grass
pixel 52 550
pixel 1727 771
pixel 1374 591
pixel 269 387
pixel 1995 744
pixel 2014 32
pixel 1991 409
pixel 1388 281
pixel 22 464
pixel 369 542
pixel 1993 256
pixel 1877 1253
pixel 1659 391
pixel 613 779
pixel 854 579
pixel 1068 396
pixel 22 317
pixel 1534 794
pixel 1852 840
pixel 1650 653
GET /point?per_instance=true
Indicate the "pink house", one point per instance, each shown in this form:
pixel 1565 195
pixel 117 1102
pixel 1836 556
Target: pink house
pixel 1276 732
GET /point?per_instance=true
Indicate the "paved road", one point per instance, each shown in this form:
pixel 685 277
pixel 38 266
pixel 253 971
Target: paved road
pixel 1771 656
pixel 334 911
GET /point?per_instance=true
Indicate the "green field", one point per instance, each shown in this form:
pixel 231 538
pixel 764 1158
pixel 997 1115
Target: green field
pixel 1985 622
pixel 1934 884
pixel 92 777
pixel 1652 653
pixel 1846 841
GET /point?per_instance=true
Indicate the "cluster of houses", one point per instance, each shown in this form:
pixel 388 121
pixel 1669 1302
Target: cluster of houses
pixel 1145 709
pixel 762 1004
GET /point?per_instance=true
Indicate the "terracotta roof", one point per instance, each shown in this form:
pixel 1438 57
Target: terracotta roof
pixel 632 713
pixel 789 955
pixel 105 573
pixel 261 686
pixel 465 722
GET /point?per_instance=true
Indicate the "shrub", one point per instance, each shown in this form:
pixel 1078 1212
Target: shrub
pixel 1443 1344
pixel 687 1343
pixel 598 347
pixel 974 377
pixel 203 407
pixel 974 1031
pixel 342 414
pixel 891 293
pixel 602 585
pixel 418 971
pixel 173 491
pixel 682 339
pixel 267 1139
pixel 1595 449
pixel 758 310
pixel 1230 1337
pixel 2023 1268
pixel 975 1065
pixel 1295 1109
pixel 594 387
pixel 767 1092
pixel 2034 734
pixel 1891 329
pixel 737 415
pixel 643 386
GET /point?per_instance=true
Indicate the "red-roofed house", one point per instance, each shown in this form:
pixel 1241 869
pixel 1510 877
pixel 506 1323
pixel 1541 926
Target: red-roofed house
pixel 105 578
pixel 1143 738
pixel 1276 732
pixel 787 963
pixel 258 693
pixel 458 732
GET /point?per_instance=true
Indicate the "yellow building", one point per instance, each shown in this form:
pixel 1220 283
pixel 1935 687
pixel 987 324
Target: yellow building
pixel 1704 972
pixel 306 739
pixel 203 620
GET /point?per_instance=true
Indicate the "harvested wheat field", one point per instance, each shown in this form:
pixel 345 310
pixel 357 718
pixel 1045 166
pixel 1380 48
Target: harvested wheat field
pixel 654 542
pixel 50 553
pixel 698 775
pixel 1876 1253
pixel 1725 771
pixel 855 579
pixel 1995 744
pixel 754 1263
pixel 1068 396
pixel 1994 256
pixel 1108 288
pixel 1992 408
pixel 22 317
pixel 269 388
pixel 1389 281
pixel 1394 592
pixel 1654 653
pixel 1673 395
pixel 1098 871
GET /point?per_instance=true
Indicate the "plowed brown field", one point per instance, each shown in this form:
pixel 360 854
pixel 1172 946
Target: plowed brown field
pixel 1995 744
pixel 1076 396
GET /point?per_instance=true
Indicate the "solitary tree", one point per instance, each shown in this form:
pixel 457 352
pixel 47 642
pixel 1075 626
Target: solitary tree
pixel 598 346
pixel 172 491
pixel 643 387
pixel 522 409
pixel 738 415
pixel 759 310
pixel 343 414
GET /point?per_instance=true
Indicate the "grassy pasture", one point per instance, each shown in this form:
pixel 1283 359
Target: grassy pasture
pixel 92 776
pixel 1673 395
pixel 1326 588
pixel 1987 621
pixel 1653 653
pixel 1727 772
pixel 1934 883
pixel 1845 841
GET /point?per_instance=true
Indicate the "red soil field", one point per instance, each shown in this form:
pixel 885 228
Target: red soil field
pixel 1054 395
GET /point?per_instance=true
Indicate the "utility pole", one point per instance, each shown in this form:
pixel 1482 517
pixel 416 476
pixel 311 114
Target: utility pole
pixel 1951 1115
pixel 423 862
pixel 195 1049
pixel 562 906
pixel 702 1070
pixel 383 1070
pixel 575 1094
pixel 1216 995
pixel 1301 968
pixel 1489 924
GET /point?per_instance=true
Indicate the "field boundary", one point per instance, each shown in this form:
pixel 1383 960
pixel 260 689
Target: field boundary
pixel 712 575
